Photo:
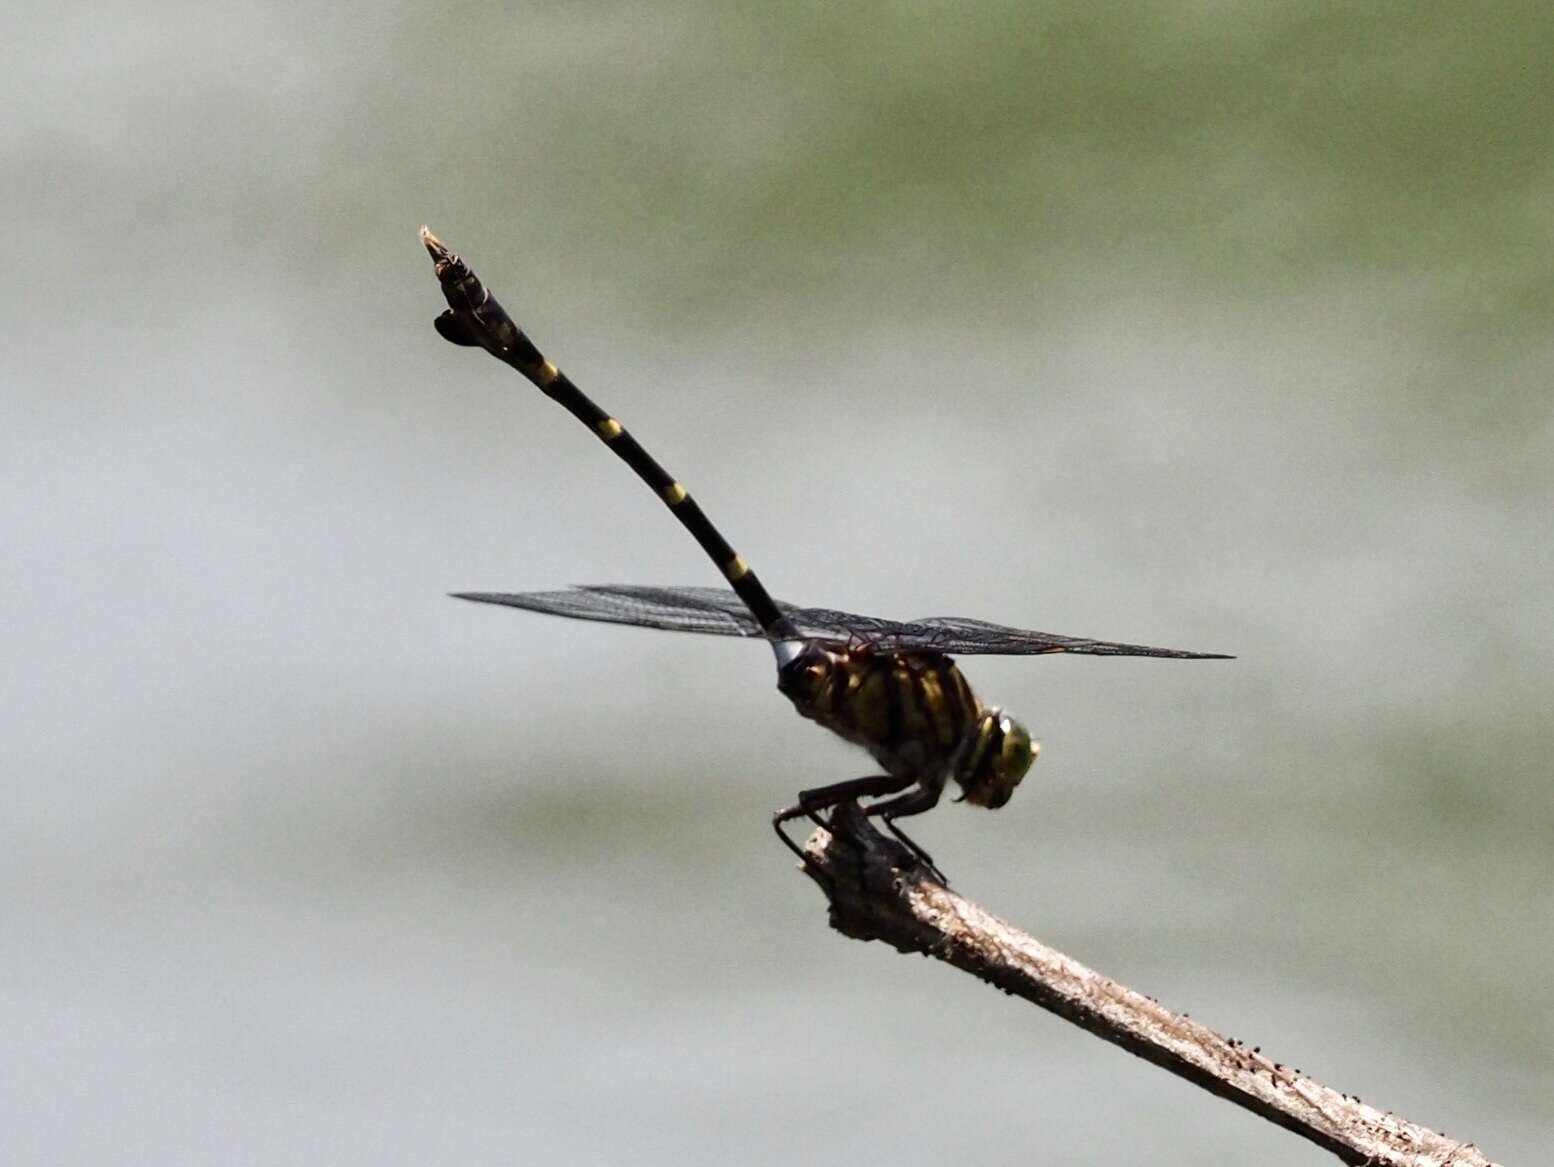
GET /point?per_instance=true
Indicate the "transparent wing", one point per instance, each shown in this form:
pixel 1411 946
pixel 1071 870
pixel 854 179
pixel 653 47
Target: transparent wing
pixel 715 611
pixel 719 612
pixel 963 637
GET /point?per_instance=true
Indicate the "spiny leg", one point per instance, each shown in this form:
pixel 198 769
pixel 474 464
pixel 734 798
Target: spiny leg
pixel 925 797
pixel 812 802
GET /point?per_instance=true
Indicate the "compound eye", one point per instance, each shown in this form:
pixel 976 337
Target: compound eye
pixel 1016 752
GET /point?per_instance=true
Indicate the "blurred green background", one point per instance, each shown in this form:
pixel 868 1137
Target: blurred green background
pixel 1219 326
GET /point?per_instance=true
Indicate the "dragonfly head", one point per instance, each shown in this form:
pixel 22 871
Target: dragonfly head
pixel 1003 753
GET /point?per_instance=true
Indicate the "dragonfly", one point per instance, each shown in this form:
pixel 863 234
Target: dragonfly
pixel 891 687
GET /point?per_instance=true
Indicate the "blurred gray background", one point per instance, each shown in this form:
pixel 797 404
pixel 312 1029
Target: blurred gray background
pixel 1219 326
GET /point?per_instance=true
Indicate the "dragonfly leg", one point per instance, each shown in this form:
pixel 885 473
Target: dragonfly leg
pixel 917 850
pixel 812 802
pixel 925 797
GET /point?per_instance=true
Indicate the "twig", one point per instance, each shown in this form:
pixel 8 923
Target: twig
pixel 878 891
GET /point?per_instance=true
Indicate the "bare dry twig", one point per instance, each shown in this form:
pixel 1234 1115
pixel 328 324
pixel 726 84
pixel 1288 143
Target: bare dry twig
pixel 878 891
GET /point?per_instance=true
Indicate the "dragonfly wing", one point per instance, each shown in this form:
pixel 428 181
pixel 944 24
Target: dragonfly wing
pixel 713 611
pixel 719 612
pixel 955 634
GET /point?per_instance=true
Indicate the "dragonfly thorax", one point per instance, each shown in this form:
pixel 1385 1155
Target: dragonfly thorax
pixel 915 712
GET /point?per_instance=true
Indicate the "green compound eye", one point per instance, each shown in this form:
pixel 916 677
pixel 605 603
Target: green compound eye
pixel 1017 752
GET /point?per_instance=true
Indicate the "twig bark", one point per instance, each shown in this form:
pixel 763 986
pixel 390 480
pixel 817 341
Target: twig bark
pixel 878 891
